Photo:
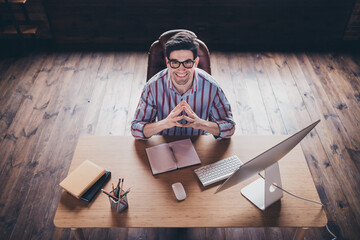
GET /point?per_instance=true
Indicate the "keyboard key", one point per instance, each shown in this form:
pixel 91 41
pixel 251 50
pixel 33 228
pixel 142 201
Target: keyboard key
pixel 218 171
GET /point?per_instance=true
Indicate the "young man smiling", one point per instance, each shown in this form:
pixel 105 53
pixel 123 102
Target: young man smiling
pixel 182 99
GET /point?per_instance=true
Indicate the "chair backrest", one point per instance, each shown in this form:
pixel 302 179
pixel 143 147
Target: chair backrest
pixel 156 58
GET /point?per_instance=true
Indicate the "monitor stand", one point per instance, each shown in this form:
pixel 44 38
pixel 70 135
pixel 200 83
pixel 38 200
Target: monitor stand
pixel 261 192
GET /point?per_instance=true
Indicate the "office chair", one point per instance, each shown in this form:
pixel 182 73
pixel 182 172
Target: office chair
pixel 156 58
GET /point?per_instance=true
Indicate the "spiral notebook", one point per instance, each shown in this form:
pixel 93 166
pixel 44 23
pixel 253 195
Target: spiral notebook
pixel 171 156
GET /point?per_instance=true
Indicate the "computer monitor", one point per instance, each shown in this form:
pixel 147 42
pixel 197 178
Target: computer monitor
pixel 260 192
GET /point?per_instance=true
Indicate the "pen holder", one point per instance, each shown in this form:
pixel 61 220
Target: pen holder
pixel 120 205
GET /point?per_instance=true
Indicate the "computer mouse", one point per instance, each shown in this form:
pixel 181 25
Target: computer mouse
pixel 179 191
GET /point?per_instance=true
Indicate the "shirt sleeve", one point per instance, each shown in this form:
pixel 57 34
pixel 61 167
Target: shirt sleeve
pixel 222 115
pixel 144 113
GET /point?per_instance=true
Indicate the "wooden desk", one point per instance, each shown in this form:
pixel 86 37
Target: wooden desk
pixel 153 204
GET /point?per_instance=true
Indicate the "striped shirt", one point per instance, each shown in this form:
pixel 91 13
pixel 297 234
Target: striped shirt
pixel 159 97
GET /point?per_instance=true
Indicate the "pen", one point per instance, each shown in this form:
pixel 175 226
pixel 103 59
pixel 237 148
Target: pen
pixel 172 153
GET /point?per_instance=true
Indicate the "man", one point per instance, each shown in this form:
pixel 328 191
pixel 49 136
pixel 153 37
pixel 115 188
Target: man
pixel 185 100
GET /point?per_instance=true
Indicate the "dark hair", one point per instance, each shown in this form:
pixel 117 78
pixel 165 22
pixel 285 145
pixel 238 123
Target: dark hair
pixel 182 41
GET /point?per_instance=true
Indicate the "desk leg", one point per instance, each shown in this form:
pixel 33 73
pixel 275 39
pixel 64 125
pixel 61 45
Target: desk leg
pixel 300 233
pixel 78 233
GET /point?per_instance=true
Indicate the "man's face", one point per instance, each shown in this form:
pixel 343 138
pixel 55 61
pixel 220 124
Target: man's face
pixel 181 75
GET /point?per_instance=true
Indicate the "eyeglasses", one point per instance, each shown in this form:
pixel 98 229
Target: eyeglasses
pixel 176 64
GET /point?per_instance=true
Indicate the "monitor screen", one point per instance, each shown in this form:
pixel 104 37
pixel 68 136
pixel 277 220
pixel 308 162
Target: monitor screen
pixel 266 159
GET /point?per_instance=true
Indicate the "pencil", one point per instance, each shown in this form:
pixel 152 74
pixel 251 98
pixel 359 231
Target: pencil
pixel 122 185
pixel 124 194
pixel 118 188
pixel 118 185
pixel 109 194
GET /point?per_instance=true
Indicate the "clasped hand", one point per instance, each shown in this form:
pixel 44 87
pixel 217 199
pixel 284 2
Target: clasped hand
pixel 173 118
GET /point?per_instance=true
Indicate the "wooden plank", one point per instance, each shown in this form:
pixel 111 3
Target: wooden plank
pixel 18 164
pixel 61 234
pixel 136 233
pixel 8 78
pixel 196 233
pixel 274 233
pixel 96 99
pixel 114 109
pixel 221 72
pixel 31 106
pixel 137 85
pixel 47 107
pixel 5 65
pixel 270 103
pixel 235 233
pixel 350 69
pixel 294 99
pixel 272 69
pixel 318 154
pixel 117 233
pixel 166 233
pixel 316 101
pixel 252 94
pixel 15 87
pixel 344 97
pixel 215 233
pixel 346 115
pixel 239 68
pixel 254 233
pixel 73 106
pixel 97 233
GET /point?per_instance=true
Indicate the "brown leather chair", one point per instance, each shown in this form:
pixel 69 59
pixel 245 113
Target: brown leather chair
pixel 156 59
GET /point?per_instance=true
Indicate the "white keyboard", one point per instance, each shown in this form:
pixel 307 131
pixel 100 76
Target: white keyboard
pixel 218 171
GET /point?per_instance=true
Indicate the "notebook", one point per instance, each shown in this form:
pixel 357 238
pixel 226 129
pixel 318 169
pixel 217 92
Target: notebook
pixel 171 156
pixel 82 178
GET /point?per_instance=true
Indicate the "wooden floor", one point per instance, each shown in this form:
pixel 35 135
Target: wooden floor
pixel 48 100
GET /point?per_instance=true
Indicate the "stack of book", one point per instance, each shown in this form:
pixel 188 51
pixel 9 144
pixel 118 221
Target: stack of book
pixel 85 181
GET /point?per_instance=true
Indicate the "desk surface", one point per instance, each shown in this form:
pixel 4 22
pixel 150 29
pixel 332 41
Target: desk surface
pixel 153 204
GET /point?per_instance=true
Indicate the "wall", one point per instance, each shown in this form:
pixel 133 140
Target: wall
pixel 220 24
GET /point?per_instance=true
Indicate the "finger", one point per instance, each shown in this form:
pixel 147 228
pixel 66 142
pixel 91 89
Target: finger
pixel 185 103
pixel 187 106
pixel 189 111
pixel 181 103
pixel 179 124
pixel 188 119
pixel 177 111
pixel 177 107
pixel 179 118
pixel 188 125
